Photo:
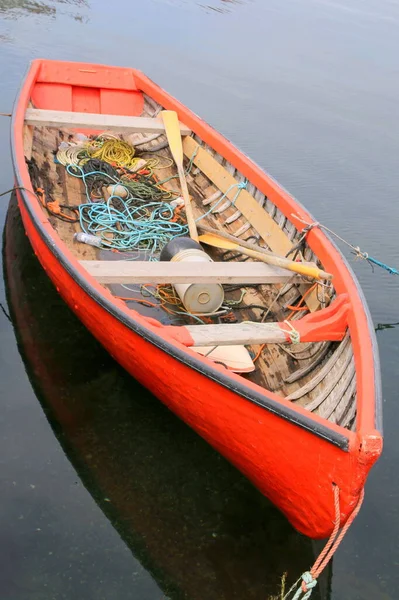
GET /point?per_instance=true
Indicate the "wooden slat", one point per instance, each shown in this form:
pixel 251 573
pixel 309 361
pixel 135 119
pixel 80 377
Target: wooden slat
pixel 339 393
pixel 28 139
pixel 324 348
pixel 252 210
pixel 332 383
pixel 56 118
pixel 269 230
pixel 324 371
pixel 347 401
pixel 178 272
pixel 236 333
pixel 350 415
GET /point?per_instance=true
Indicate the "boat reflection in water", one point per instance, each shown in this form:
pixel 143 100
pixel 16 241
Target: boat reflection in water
pixel 194 522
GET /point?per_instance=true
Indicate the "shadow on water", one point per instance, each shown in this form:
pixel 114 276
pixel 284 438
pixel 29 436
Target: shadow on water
pixel 193 521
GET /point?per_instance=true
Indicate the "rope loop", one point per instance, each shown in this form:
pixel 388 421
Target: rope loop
pixel 293 333
pixel 308 581
pixel 309 227
pixel 359 254
pixel 242 185
pixel 303 590
pixel 355 249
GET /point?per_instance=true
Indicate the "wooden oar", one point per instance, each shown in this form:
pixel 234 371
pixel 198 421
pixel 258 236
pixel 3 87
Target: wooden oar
pixel 236 240
pixel 303 269
pixel 172 129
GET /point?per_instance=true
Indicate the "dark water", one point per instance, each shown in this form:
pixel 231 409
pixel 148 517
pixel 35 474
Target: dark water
pixel 104 494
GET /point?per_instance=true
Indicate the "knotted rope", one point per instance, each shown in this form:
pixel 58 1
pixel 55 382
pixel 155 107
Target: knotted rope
pixel 355 249
pixel 293 333
pixel 303 587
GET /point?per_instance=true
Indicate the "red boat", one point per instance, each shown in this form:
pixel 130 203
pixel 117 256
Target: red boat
pixel 282 375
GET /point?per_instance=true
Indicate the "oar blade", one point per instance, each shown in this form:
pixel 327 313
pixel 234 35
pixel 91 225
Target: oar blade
pixel 216 241
pixel 172 129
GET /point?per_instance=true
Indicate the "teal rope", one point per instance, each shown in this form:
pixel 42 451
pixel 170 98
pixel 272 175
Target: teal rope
pixel 356 250
pixel 187 171
pixel 373 261
pixel 146 227
pixel 240 186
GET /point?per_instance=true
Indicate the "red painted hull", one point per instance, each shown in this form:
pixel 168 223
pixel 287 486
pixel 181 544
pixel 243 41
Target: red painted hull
pixel 292 456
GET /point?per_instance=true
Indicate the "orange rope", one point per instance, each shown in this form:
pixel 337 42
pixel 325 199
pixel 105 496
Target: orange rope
pixel 164 294
pixel 297 308
pixel 259 352
pixel 302 300
pixel 309 578
pixel 334 541
pixel 140 300
pixel 294 309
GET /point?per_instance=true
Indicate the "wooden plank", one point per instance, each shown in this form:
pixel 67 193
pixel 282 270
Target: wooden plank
pixel 339 393
pixel 269 230
pixel 57 118
pixel 124 271
pixel 28 139
pixel 347 401
pixel 252 210
pixel 323 349
pixel 350 415
pixel 332 382
pixel 236 333
pixel 324 371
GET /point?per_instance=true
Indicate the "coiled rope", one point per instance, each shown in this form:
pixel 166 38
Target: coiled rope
pixel 75 154
pixel 114 151
pixel 123 226
pixel 96 173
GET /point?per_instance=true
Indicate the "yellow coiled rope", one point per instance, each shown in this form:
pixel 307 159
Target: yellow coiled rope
pixel 115 152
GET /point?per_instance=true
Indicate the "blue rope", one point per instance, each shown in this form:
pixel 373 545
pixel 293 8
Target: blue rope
pixel 147 226
pixel 240 186
pixel 374 261
pixel 355 249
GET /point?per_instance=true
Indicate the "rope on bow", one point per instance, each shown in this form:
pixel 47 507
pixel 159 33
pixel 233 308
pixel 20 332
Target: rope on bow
pixel 355 249
pixel 303 587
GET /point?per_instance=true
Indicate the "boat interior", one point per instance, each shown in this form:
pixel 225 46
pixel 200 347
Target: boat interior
pixel 319 376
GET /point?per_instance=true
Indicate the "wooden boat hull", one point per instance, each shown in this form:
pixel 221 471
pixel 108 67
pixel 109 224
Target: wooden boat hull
pixel 291 456
pixel 132 456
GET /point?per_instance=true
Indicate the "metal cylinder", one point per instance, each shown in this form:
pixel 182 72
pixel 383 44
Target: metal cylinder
pixel 198 298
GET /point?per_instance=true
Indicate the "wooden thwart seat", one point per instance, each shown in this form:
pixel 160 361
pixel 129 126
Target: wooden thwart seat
pixel 72 120
pixel 123 271
pixel 228 334
pixel 328 324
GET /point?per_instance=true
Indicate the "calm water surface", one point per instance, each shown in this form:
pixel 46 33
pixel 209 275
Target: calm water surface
pixel 104 493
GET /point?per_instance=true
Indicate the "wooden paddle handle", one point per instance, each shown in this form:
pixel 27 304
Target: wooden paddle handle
pixel 303 269
pixel 233 238
pixel 192 227
pixel 273 259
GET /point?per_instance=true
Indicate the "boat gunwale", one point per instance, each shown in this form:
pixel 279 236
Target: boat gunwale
pixel 330 432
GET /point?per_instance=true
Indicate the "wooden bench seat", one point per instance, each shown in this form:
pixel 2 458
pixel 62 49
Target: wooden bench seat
pixel 73 120
pixel 123 271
